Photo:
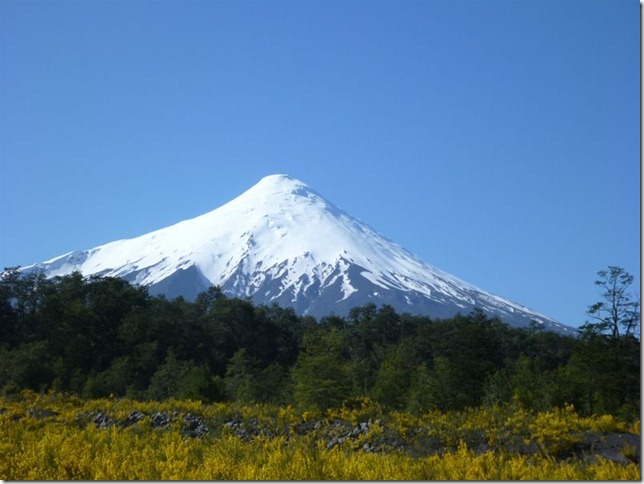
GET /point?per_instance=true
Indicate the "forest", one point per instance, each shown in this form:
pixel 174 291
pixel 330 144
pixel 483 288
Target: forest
pixel 101 336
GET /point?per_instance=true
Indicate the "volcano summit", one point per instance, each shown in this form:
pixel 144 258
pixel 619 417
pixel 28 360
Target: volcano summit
pixel 282 242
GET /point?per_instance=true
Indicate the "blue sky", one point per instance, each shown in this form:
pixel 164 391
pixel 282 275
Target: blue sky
pixel 497 140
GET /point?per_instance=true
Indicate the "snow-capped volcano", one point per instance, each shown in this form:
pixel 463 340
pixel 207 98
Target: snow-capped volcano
pixel 282 242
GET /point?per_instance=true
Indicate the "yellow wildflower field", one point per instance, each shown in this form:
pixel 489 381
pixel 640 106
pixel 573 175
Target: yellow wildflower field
pixel 55 437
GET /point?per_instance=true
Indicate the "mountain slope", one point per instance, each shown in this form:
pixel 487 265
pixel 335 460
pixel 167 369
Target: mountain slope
pixel 282 242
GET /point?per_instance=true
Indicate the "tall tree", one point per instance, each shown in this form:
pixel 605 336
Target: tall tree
pixel 394 376
pixel 617 315
pixel 605 364
pixel 321 375
pixel 241 377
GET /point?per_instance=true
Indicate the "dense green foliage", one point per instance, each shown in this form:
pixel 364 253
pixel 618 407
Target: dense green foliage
pixel 98 336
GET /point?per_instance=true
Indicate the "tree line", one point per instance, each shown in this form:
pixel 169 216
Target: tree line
pixel 101 336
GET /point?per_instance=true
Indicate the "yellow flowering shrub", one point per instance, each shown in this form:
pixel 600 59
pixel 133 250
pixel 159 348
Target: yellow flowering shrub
pixel 558 430
pixel 604 424
pixel 42 438
pixel 635 428
pixel 355 411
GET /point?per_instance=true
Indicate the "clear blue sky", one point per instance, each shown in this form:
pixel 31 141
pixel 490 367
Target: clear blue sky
pixel 497 140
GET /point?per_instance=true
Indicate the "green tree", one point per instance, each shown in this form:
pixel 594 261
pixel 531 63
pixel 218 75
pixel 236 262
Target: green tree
pixel 321 376
pixel 241 377
pixel 21 301
pixel 617 315
pixel 420 390
pixel 182 379
pixel 497 389
pixel 443 391
pixel 393 379
pixel 8 314
pixel 435 388
pixel 113 381
pixel 467 350
pixel 603 373
pixel 273 384
pixel 371 332
pixel 528 383
pixel 26 366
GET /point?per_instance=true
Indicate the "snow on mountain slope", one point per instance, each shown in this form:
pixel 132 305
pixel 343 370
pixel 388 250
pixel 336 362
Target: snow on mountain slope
pixel 282 242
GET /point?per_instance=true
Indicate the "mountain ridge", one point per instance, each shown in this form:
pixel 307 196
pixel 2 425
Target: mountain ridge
pixel 282 242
